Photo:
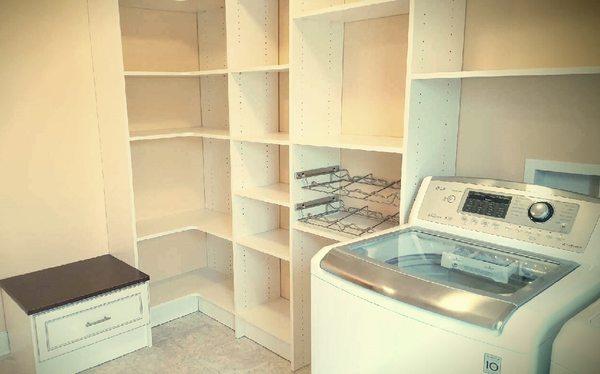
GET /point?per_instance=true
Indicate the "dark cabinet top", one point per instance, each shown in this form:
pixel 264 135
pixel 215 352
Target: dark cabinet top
pixel 50 288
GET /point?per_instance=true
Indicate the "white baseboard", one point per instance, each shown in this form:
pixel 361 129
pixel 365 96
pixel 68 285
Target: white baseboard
pixel 181 307
pixel 4 345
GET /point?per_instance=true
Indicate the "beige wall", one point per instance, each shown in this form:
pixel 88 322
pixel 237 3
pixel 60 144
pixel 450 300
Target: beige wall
pixel 504 121
pixel 52 195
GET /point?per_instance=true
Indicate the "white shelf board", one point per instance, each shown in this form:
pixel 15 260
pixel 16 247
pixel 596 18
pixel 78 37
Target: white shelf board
pixel 357 11
pixel 507 73
pixel 360 142
pixel 278 193
pixel 176 74
pixel 191 6
pixel 272 317
pixel 274 243
pixel 211 222
pixel 261 69
pixel 280 138
pixel 322 232
pixel 198 132
pixel 209 284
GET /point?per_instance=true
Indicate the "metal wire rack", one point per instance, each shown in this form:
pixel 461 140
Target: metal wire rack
pixel 336 181
pixel 348 220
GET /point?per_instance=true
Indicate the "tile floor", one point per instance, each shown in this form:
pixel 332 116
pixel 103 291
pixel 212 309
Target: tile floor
pixel 193 344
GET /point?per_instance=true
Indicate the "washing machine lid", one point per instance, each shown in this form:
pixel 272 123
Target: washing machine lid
pixel 467 280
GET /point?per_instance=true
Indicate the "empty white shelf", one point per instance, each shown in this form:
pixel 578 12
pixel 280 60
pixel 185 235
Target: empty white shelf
pixel 199 132
pixel 508 73
pixel 274 243
pixel 176 74
pixel 280 138
pixel 211 222
pixel 209 284
pixel 360 10
pixel 278 193
pixel 322 232
pixel 261 69
pixel 360 142
pixel 272 317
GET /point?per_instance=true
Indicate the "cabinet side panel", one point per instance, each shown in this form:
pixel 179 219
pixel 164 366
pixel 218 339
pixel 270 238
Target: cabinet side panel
pixel 212 39
pixel 434 109
pixel 438 30
pixel 304 247
pixel 217 175
pixel 107 59
pixel 214 102
pixel 252 28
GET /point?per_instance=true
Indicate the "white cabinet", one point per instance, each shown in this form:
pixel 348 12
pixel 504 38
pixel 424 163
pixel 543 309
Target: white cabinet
pixel 81 335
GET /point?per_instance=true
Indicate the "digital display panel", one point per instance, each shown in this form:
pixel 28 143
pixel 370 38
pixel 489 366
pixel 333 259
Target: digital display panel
pixel 487 204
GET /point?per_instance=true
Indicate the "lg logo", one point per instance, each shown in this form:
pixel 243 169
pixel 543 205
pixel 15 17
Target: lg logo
pixel 492 364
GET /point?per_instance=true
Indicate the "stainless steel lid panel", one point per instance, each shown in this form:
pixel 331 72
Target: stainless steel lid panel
pixel 471 281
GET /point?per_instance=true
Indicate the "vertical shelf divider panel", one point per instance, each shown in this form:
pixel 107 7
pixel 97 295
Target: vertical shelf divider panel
pixel 434 107
pixel 257 39
pixel 252 33
pixel 254 103
pixel 436 37
pixel 306 246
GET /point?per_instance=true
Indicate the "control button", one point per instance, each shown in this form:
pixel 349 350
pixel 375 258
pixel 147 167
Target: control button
pixel 450 198
pixel 540 211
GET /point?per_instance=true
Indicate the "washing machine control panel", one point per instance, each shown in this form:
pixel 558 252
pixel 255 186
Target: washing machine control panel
pixel 518 211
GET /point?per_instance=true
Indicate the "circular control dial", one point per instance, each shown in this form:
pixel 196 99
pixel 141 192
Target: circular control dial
pixel 540 211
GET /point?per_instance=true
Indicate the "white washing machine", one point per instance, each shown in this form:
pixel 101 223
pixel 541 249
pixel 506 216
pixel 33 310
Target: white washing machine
pixel 480 280
pixel 576 349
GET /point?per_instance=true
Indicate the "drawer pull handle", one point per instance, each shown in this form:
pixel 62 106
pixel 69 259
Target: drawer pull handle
pixel 90 324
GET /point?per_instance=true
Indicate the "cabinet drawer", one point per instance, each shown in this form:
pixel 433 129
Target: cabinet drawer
pixel 86 322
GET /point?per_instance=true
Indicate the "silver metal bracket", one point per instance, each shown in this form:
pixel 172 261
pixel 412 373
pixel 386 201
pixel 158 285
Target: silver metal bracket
pixel 317 202
pixel 317 172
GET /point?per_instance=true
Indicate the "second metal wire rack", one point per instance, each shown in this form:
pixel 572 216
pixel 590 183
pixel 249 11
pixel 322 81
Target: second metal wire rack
pixel 336 215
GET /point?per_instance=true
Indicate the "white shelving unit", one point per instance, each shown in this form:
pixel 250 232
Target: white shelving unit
pixel 357 11
pixel 228 100
pixel 175 74
pixel 199 132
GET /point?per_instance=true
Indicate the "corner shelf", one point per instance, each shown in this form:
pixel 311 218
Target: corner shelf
pixel 198 132
pixel 277 193
pixel 358 11
pixel 272 317
pixel 280 138
pixel 211 222
pixel 209 284
pixel 261 69
pixel 274 243
pixel 358 142
pixel 508 73
pixel 175 74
